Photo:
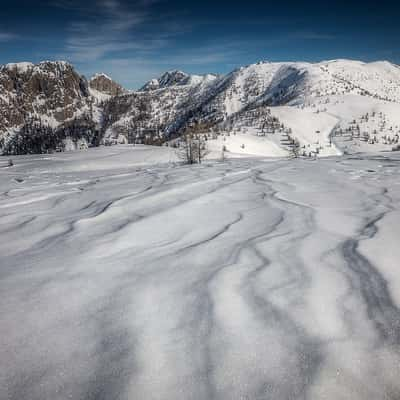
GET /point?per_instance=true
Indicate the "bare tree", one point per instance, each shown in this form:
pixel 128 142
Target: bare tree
pixel 223 150
pixel 185 149
pixel 192 145
pixel 295 148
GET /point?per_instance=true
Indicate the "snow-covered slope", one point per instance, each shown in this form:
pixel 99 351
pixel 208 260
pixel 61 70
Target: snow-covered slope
pixel 177 78
pixel 248 279
pixel 309 92
pixel 379 79
pixel 321 99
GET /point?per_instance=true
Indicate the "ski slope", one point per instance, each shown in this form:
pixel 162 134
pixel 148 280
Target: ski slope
pixel 125 275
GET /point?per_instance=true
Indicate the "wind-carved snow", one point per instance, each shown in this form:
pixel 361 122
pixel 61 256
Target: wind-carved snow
pixel 248 279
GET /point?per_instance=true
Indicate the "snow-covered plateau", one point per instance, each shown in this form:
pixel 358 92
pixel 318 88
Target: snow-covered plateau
pixel 125 275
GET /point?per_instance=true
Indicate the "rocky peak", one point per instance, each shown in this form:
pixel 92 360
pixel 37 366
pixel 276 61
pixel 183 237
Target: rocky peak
pixel 50 93
pixel 50 79
pixel 105 85
pixel 169 78
pixel 172 78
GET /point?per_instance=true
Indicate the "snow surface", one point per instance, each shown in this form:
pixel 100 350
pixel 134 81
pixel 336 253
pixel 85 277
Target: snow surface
pixel 99 96
pixel 126 276
pixel 309 128
pixel 244 144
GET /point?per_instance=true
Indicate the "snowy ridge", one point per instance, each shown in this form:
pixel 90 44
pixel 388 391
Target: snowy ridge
pixel 20 67
pixel 177 78
pixel 100 75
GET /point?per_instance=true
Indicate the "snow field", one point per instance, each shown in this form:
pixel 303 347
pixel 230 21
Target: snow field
pixel 124 275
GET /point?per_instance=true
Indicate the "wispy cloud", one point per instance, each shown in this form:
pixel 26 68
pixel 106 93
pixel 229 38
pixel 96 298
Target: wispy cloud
pixel 109 27
pixel 133 42
pixel 134 71
pixel 103 31
pixel 7 37
pixel 212 53
pixel 311 35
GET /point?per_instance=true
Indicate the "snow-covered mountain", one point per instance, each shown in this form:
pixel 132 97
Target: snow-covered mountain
pixel 158 111
pixel 322 108
pixel 52 91
pixel 45 107
pixel 311 103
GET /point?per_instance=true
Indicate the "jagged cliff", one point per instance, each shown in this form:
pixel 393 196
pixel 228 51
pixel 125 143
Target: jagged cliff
pixel 105 85
pixel 47 102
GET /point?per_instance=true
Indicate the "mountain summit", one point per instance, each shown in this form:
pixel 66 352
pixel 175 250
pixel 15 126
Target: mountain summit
pixel 102 83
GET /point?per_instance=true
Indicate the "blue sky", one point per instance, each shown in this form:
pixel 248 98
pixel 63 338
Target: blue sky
pixel 134 41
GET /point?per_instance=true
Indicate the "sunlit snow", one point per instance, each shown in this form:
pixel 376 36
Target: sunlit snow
pixel 125 275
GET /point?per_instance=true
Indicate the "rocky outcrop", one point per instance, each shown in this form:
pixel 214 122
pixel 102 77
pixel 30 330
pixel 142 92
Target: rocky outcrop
pixel 52 90
pixel 105 85
pixel 47 96
pixel 170 78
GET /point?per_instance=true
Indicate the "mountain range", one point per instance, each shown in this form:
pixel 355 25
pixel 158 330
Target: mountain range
pixel 325 108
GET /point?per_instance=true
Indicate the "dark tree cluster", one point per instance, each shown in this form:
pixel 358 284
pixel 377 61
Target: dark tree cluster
pixel 36 137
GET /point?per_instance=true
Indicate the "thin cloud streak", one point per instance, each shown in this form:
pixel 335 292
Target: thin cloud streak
pixel 7 37
pixel 105 31
pixel 112 28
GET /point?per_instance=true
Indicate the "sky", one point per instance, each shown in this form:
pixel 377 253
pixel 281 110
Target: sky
pixel 134 41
